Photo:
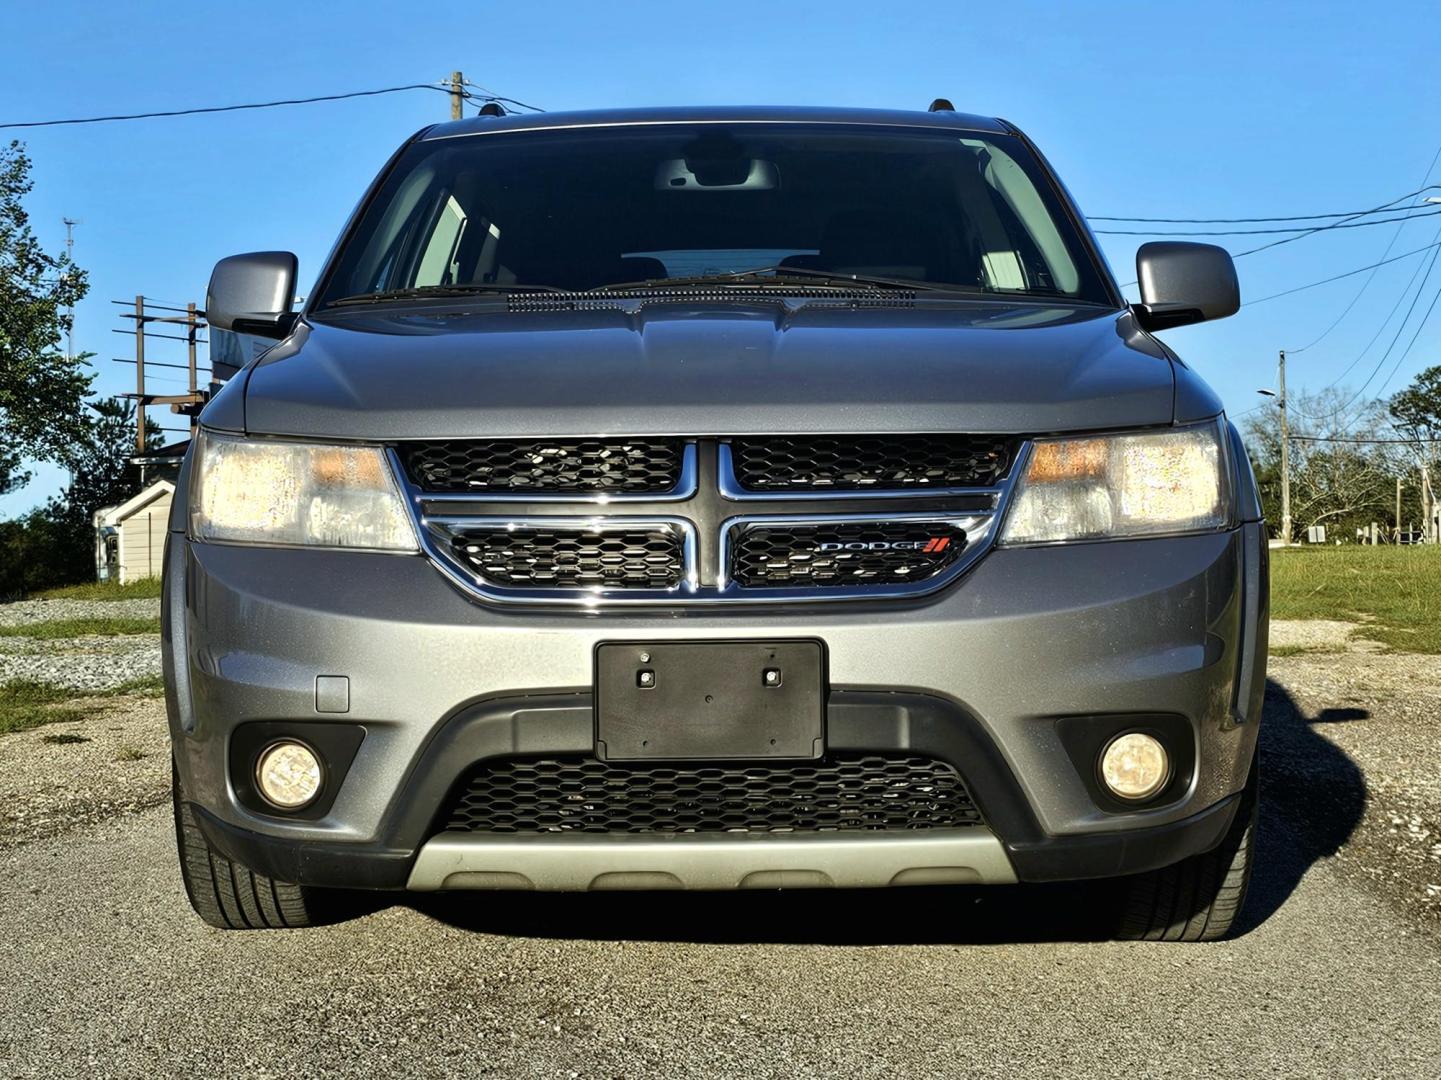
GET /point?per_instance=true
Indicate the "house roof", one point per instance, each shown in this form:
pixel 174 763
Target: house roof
pixel 137 502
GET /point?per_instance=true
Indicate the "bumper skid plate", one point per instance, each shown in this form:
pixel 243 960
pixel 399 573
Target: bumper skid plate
pixel 970 856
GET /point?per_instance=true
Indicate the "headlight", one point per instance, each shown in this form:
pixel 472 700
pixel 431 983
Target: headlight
pixel 265 492
pixel 1120 485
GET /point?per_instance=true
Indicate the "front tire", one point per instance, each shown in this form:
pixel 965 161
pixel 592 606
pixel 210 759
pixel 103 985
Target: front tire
pixel 227 894
pixel 1200 898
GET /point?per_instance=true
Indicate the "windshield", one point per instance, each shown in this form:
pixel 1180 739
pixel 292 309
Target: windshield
pixel 595 208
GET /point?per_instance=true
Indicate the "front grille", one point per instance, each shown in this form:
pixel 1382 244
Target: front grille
pixel 843 553
pixel 576 466
pixel 562 557
pixel 845 792
pixel 869 462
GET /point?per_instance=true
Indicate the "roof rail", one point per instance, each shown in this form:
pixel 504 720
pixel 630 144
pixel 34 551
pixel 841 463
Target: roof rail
pixel 941 105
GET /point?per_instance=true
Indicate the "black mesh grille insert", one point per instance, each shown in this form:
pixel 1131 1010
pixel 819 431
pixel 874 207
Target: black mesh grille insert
pixel 578 466
pixel 870 462
pixel 852 553
pixel 638 558
pixel 846 792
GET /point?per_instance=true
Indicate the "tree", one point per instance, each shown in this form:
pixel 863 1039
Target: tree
pixel 103 475
pixel 41 389
pixel 1336 480
pixel 54 544
pixel 1416 412
pixel 1417 409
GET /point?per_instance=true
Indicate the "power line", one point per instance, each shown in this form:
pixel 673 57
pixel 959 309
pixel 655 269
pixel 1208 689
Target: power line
pixel 1379 442
pixel 1401 327
pixel 1339 277
pixel 1301 235
pixel 1253 220
pixel 1425 179
pixel 229 108
pixel 1410 344
pixel 1411 212
pixel 1381 329
pixel 1322 228
pixel 490 95
pixel 1400 297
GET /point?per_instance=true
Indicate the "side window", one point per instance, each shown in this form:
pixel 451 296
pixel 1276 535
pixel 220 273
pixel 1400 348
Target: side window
pixel 1032 246
pixel 439 260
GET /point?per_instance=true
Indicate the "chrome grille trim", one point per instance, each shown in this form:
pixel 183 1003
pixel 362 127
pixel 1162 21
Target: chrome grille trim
pixel 979 530
pixel 438 519
pixel 438 535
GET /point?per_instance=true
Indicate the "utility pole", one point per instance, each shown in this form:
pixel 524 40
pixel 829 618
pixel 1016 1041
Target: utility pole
pixel 1285 455
pixel 192 324
pixel 70 224
pixel 140 375
pixel 457 90
pixel 1428 505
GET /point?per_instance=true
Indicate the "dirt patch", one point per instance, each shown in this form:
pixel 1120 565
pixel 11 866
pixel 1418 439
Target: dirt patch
pixel 113 761
pixel 1351 747
pixel 1290 637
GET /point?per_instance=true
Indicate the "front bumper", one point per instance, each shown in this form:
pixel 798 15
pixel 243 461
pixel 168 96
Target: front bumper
pixel 982 675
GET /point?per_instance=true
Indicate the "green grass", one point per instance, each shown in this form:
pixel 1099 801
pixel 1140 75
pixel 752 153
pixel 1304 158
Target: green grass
pixel 25 705
pixel 1302 650
pixel 146 686
pixel 145 589
pixel 69 628
pixel 1394 591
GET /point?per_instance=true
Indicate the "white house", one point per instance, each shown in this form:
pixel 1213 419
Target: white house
pixel 130 538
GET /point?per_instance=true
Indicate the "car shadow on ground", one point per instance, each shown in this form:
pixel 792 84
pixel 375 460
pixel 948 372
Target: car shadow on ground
pixel 1312 798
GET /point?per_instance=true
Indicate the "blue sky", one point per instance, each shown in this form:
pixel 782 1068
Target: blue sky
pixel 1152 109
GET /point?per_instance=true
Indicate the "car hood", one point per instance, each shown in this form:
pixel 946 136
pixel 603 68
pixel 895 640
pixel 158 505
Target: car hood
pixel 677 367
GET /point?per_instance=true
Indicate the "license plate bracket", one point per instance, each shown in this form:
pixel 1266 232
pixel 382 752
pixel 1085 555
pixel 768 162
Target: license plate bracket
pixel 710 700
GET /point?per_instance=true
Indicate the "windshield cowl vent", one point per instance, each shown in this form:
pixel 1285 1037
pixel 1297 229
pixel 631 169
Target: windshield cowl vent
pixel 634 299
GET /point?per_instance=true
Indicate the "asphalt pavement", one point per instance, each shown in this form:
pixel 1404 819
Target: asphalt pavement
pixel 104 971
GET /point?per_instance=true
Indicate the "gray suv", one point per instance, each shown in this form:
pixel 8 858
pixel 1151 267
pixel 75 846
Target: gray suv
pixel 717 499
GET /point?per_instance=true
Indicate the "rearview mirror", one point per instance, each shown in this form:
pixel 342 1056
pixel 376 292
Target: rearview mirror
pixel 253 294
pixel 1184 283
pixel 742 174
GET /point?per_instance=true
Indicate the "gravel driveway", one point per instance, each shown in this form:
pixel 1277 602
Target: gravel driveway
pixel 27 612
pixel 89 662
pixel 1337 971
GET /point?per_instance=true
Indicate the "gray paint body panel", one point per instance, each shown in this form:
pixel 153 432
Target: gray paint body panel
pixel 1028 635
pixel 677 367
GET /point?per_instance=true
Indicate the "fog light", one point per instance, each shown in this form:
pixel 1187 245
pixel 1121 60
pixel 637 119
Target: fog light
pixel 288 775
pixel 1135 766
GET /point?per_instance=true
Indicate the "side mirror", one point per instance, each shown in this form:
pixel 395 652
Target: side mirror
pixel 253 294
pixel 1184 283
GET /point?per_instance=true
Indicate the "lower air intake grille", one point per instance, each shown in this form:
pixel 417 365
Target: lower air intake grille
pixel 870 462
pixel 846 792
pixel 851 553
pixel 518 466
pixel 574 558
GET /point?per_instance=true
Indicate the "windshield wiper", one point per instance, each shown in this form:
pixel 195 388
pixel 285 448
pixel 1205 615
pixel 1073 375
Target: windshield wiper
pixel 773 277
pixel 837 276
pixel 424 291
